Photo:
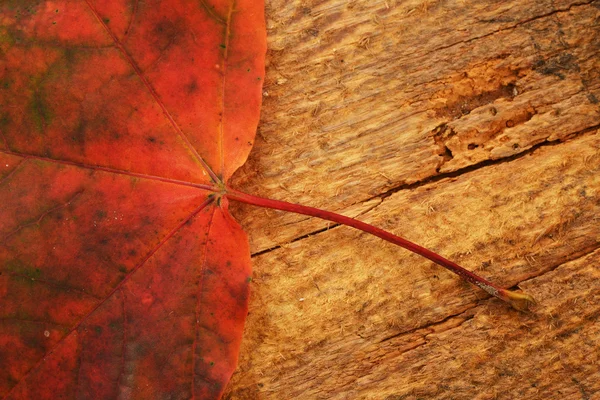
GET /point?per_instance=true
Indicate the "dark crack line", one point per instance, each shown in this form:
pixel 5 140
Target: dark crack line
pixel 430 325
pixel 508 28
pixel 483 164
pixel 279 246
pixel 425 338
pixel 576 256
pixel 435 179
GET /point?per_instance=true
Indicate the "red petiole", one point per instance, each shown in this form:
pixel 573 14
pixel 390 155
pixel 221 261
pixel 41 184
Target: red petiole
pixel 520 301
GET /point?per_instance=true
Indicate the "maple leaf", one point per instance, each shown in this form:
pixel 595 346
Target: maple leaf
pixel 122 273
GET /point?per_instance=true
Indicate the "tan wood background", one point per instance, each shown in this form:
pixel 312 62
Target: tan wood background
pixel 470 127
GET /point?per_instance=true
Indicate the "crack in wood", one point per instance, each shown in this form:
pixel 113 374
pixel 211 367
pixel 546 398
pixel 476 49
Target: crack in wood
pixel 459 315
pixel 432 180
pixel 512 27
pixel 582 253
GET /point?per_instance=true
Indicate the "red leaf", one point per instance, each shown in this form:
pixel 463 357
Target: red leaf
pixel 122 273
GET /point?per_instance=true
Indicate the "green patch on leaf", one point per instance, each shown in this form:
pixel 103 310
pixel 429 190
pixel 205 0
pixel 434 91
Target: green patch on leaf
pixel 17 267
pixel 4 120
pixel 6 37
pixel 40 112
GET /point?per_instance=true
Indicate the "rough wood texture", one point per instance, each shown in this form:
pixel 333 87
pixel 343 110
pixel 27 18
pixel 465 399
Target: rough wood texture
pixel 470 127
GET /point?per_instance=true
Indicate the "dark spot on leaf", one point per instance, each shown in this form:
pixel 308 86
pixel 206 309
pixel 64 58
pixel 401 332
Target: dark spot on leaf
pixel 191 87
pixel 472 146
pixel 166 33
pixel 151 139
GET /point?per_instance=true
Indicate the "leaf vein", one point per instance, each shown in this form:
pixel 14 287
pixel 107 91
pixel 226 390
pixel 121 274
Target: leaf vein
pixel 114 171
pixel 118 287
pixel 124 345
pixel 14 171
pixel 211 13
pixel 199 302
pixel 41 217
pixel 224 77
pixel 154 94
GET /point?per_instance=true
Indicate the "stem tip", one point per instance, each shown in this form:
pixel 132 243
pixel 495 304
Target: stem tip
pixel 518 300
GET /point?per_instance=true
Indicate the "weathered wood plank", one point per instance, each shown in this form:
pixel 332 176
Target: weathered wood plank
pixel 325 307
pixel 363 99
pixel 469 127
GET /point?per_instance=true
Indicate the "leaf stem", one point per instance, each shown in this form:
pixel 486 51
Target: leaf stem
pixel 520 301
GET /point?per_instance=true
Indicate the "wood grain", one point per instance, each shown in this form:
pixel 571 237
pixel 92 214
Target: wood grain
pixel 470 127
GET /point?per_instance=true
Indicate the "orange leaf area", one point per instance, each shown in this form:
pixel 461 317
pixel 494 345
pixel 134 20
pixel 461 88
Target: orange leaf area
pixel 122 274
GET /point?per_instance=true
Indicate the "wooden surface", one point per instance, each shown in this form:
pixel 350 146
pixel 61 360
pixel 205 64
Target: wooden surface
pixel 470 127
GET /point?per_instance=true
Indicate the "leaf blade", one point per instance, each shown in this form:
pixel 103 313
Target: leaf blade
pixel 104 186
